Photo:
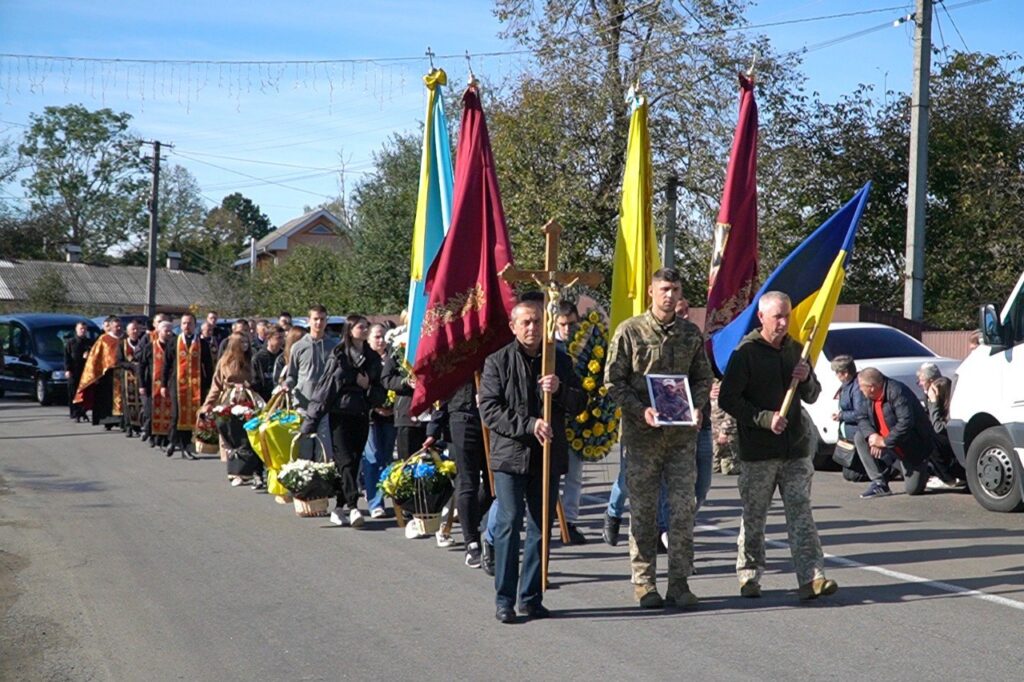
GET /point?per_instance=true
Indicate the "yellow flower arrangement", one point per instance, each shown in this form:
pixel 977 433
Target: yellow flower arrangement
pixel 595 430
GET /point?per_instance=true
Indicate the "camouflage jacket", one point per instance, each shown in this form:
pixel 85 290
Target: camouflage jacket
pixel 641 346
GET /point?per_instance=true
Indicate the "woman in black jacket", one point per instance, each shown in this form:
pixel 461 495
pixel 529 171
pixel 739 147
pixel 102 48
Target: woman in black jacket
pixel 349 389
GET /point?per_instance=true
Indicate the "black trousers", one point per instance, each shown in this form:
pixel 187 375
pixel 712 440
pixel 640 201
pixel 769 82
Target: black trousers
pixel 410 439
pixel 473 494
pixel 103 402
pixel 348 438
pixel 75 410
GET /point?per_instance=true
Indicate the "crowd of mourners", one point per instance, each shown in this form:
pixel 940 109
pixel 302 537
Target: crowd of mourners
pixel 354 396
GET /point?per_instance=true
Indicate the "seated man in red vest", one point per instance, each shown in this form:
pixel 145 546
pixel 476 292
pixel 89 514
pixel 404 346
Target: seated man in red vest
pixel 893 431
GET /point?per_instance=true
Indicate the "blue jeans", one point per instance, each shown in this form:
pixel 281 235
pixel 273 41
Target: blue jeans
pixel 377 455
pixel 620 491
pixel 572 488
pixel 705 453
pixel 519 494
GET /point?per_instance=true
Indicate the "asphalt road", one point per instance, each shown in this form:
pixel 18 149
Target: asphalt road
pixel 119 564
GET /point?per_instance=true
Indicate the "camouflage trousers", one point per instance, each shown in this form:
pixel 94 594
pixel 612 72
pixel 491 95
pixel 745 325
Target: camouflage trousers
pixel 757 484
pixel 663 456
pixel 724 459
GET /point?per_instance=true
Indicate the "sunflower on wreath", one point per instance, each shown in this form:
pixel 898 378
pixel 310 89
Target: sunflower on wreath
pixel 592 432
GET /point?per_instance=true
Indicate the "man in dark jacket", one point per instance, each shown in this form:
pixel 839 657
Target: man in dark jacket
pixel 76 350
pixel 774 447
pixel 511 404
pixel 895 430
pixel 263 363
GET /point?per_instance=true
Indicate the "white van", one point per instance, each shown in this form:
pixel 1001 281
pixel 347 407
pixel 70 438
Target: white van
pixel 986 425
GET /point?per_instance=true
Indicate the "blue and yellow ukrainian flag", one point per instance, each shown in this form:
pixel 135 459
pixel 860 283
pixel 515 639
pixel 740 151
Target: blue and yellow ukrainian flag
pixel 433 207
pixel 812 275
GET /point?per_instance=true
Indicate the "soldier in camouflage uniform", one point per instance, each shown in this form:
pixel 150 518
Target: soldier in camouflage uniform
pixel 658 342
pixel 723 437
pixel 773 447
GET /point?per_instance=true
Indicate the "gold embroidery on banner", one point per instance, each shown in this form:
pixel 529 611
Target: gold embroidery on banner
pixel 730 308
pixel 722 231
pixel 455 307
pixel 459 354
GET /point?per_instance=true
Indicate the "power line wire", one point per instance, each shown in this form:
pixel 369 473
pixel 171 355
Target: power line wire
pixel 949 16
pixel 253 177
pixel 496 53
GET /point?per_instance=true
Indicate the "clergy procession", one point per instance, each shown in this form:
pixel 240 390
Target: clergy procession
pixel 482 408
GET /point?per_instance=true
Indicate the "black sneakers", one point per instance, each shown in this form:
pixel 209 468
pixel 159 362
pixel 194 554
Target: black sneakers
pixel 487 558
pixel 473 555
pixel 611 529
pixel 575 536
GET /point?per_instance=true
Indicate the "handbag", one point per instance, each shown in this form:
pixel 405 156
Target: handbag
pixel 845 454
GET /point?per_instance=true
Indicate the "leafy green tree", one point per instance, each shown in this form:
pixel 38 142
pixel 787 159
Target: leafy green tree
pixel 560 134
pixel 29 235
pixel 376 270
pixel 255 221
pixel 182 221
pixel 48 293
pixel 309 275
pixel 87 170
pixel 974 240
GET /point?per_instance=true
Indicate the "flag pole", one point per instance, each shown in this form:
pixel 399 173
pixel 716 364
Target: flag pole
pixel 794 383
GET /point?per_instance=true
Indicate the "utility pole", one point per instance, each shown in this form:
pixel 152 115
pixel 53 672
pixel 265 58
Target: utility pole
pixel 154 231
pixel 668 244
pixel 917 181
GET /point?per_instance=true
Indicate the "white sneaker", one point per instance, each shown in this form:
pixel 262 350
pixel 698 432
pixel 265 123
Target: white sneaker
pixel 236 482
pixel 338 516
pixel 355 518
pixel 936 483
pixel 664 538
pixel 377 513
pixel 413 529
pixel 443 540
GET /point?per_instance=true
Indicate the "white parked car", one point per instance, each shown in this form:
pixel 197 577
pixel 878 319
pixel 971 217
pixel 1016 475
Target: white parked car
pixel 893 353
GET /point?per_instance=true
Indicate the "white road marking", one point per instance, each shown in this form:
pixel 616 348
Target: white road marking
pixel 845 562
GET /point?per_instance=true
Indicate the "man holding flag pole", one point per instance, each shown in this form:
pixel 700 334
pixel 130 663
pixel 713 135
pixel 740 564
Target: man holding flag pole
pixel 766 369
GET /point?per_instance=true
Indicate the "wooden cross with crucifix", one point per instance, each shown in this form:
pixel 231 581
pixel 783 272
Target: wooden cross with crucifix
pixel 553 282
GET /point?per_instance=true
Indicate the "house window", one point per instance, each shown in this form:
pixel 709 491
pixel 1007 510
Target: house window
pixel 320 229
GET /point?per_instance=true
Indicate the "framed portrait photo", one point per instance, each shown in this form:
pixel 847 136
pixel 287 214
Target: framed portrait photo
pixel 671 399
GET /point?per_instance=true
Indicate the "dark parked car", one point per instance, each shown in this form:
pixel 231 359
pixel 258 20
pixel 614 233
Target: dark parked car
pixel 33 349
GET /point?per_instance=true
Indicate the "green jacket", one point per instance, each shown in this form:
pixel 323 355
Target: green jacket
pixel 642 346
pixel 753 388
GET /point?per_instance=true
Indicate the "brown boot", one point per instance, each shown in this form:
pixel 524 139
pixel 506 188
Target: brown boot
pixel 679 596
pixel 750 589
pixel 648 597
pixel 819 587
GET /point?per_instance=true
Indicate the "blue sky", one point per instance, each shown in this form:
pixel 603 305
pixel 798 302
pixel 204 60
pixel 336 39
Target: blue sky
pixel 277 135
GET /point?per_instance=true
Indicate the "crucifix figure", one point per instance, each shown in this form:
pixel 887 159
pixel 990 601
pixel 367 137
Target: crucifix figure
pixel 553 282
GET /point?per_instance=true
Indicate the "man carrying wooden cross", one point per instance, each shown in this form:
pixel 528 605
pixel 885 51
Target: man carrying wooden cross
pixel 511 405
